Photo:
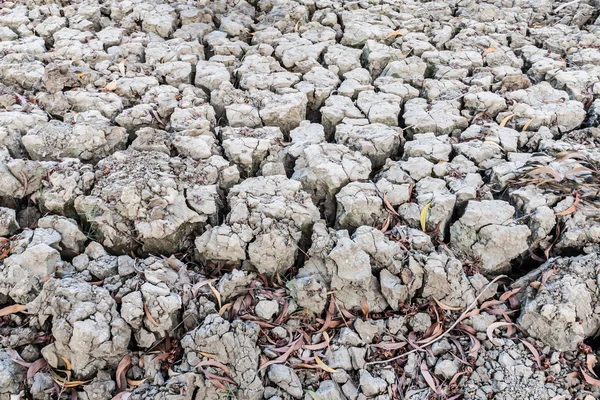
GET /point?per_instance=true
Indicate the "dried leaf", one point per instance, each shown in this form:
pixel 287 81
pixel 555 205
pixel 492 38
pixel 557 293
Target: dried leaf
pixel 445 307
pixel 395 33
pixel 214 363
pixel 546 170
pixel 283 358
pixel 36 366
pixel 429 378
pixel 534 351
pixel 135 383
pixel 389 206
pixel 224 308
pixel 475 344
pixel 589 380
pixel 488 51
pixel 506 119
pixel 386 225
pixel 527 125
pixel 122 368
pixel 590 361
pixel 207 355
pixel 150 316
pixel 364 306
pixel 122 67
pixel 571 209
pixel 389 346
pixel 111 86
pixel 577 170
pixel 423 216
pixel 536 285
pixel 198 285
pixel 314 395
pixel 15 308
pixel 506 295
pixel 16 358
pixel 490 329
pixel 67 363
pixel 216 293
pixel 324 366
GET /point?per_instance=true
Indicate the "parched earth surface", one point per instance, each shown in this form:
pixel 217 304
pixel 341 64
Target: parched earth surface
pixel 299 199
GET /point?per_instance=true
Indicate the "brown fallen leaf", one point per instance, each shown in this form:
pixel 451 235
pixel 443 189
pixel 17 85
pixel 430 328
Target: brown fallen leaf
pixel 534 351
pixel 431 381
pixel 488 51
pixel 389 206
pixel 490 329
pixel 207 355
pixel 122 396
pixel 445 307
pixel 364 306
pixel 589 379
pixel 15 308
pixel 214 363
pixel 527 124
pixel 571 209
pixel 590 361
pixel 389 346
pixel 122 368
pixel 135 383
pixel 111 86
pixel 395 33
pixel 506 119
pixel 386 225
pixel 67 363
pixel 283 358
pixel 224 308
pixel 546 170
pixel 324 366
pixel 122 67
pixel 506 295
pixel 16 358
pixel 36 366
pixel 150 316
pixel 216 293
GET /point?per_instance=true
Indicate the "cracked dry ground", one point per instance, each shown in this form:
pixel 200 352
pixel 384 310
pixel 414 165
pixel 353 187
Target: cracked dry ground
pixel 299 199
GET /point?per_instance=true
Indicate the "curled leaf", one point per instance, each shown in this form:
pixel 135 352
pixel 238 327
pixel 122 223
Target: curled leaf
pixel 589 379
pixel 36 366
pixel 506 119
pixel 150 316
pixel 111 86
pixel 224 308
pixel 364 306
pixel 216 293
pixel 67 363
pixel 429 378
pixel 135 383
pixel 445 307
pixel 571 209
pixel 590 361
pixel 534 351
pixel 490 329
pixel 527 125
pixel 395 33
pixel 122 368
pixel 122 67
pixel 324 366
pixel 423 217
pixel 488 51
pixel 15 308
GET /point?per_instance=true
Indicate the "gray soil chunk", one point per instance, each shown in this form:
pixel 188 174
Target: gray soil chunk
pixel 561 313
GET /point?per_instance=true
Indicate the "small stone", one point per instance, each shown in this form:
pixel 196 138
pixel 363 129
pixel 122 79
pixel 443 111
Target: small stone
pixel 446 368
pixel 370 385
pixel 8 221
pixel 286 379
pixel 266 309
pixel 420 322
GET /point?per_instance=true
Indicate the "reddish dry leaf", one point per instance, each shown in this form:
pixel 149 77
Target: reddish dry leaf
pixel 490 303
pixel 589 379
pixel 162 356
pixel 15 308
pixel 122 368
pixel 490 329
pixel 577 170
pixel 386 225
pixel 476 344
pixel 437 331
pixel 198 285
pixel 571 209
pixel 214 363
pixel 135 383
pixel 534 351
pixel 546 275
pixel 507 295
pixel 16 358
pixel 219 378
pixel 389 346
pixel 283 313
pixel 429 378
pixel 455 377
pixel 445 307
pixel 150 316
pixel 283 358
pixel 35 367
pixel 466 329
pixel 364 306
